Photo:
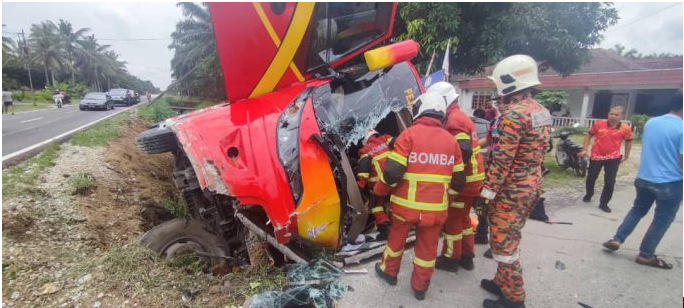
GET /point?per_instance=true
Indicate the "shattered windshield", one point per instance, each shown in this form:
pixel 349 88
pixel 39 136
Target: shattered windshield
pixel 350 108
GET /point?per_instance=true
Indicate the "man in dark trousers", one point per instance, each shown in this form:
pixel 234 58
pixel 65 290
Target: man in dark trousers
pixel 659 180
pixel 605 153
pixel 424 163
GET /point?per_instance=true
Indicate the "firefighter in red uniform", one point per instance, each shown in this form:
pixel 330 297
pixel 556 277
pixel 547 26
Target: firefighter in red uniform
pixel 371 163
pixel 424 163
pixel 514 176
pixel 459 241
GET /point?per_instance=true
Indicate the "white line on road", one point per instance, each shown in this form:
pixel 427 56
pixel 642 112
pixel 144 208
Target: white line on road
pixel 31 120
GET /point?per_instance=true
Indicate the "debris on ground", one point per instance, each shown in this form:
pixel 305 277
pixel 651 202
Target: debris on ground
pixel 318 284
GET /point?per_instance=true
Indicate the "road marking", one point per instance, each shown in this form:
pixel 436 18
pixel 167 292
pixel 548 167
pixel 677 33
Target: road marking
pixel 10 156
pixel 31 120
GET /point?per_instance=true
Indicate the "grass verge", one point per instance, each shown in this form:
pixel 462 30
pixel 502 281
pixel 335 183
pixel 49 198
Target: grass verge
pixel 21 179
pixel 158 111
pixel 102 133
pixel 82 183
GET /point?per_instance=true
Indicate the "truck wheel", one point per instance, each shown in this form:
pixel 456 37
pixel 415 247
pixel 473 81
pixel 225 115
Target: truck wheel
pixel 156 140
pixel 187 237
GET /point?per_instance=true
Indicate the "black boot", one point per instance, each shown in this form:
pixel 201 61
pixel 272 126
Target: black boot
pixel 488 254
pixel 383 231
pixel 467 263
pixel 447 264
pixel 418 294
pixel 605 208
pixel 491 287
pixel 387 278
pixel 502 302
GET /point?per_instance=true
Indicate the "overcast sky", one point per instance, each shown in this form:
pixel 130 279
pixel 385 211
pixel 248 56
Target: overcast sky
pixel 647 27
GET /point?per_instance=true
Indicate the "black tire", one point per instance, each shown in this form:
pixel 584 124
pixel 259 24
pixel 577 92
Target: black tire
pixel 179 236
pixel 81 108
pixel 157 140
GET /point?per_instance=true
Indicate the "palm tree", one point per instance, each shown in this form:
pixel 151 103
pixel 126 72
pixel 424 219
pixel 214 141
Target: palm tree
pixel 193 40
pixel 9 49
pixel 72 43
pixel 47 49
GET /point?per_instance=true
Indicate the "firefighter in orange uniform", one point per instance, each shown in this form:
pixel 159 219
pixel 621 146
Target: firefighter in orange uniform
pixel 424 163
pixel 375 150
pixel 459 241
pixel 514 177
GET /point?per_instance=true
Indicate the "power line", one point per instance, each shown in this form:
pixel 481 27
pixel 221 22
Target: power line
pixel 644 17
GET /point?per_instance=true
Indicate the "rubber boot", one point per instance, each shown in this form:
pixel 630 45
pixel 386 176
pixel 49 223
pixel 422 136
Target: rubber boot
pixel 446 264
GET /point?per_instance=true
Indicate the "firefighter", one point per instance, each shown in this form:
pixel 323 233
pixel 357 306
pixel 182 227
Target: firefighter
pixel 514 177
pixel 459 242
pixel 372 155
pixel 423 164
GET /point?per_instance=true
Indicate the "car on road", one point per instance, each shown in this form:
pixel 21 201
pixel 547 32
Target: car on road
pixel 121 97
pixel 96 100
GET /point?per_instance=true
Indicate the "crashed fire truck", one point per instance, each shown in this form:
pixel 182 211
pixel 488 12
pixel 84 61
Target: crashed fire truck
pixel 279 159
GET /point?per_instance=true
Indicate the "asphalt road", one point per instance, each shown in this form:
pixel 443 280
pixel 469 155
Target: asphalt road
pixel 563 265
pixel 25 129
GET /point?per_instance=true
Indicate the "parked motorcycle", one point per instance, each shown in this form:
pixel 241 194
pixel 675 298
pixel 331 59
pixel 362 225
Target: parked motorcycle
pixel 567 154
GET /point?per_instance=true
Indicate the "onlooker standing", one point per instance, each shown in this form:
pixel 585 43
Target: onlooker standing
pixel 660 180
pixel 605 153
pixel 6 101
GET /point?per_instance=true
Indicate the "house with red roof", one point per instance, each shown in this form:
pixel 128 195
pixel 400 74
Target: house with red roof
pixel 641 86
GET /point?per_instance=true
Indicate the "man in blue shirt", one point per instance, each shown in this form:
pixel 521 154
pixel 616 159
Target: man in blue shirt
pixel 660 180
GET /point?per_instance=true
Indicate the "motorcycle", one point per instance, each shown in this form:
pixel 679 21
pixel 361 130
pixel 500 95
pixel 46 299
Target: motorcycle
pixel 58 100
pixel 567 154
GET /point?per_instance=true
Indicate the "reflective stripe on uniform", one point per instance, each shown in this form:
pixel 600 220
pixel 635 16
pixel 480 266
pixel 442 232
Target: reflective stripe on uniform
pixel 377 209
pixel 399 217
pixel 376 164
pixel 423 263
pixel 468 231
pixel 507 259
pixel 457 205
pixel 400 159
pixel 425 206
pixel 462 136
pixel 475 177
pixel 425 177
pixel 459 167
pixel 450 239
pixel 373 179
pixel 394 254
pixel 452 192
pixel 364 175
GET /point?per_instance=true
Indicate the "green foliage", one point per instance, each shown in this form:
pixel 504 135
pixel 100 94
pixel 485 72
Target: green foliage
pixel 21 179
pixel 102 133
pixel 74 90
pixel 552 100
pixel 638 122
pixel 82 183
pixel 194 45
pixel 179 208
pixel 558 35
pixel 635 54
pixel 158 111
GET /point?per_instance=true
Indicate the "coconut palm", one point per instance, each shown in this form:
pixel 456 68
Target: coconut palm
pixel 193 41
pixel 47 48
pixel 71 42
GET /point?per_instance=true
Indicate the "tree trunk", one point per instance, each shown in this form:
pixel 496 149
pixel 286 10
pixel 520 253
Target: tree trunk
pixel 47 79
pixel 52 74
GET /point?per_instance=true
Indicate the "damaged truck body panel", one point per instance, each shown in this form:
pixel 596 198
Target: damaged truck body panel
pixel 284 158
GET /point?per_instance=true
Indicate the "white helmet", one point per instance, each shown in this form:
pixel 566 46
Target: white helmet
pixel 514 73
pixel 446 90
pixel 429 103
pixel 369 134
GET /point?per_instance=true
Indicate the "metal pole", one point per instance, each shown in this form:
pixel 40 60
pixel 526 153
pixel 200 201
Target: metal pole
pixel 262 234
pixel 27 63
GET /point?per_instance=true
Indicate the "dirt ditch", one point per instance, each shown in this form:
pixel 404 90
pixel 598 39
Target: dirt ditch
pixel 62 249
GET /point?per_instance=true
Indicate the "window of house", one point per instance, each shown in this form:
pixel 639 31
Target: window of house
pixel 481 100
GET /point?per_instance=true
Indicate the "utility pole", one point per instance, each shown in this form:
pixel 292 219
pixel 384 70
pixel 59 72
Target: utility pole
pixel 25 57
